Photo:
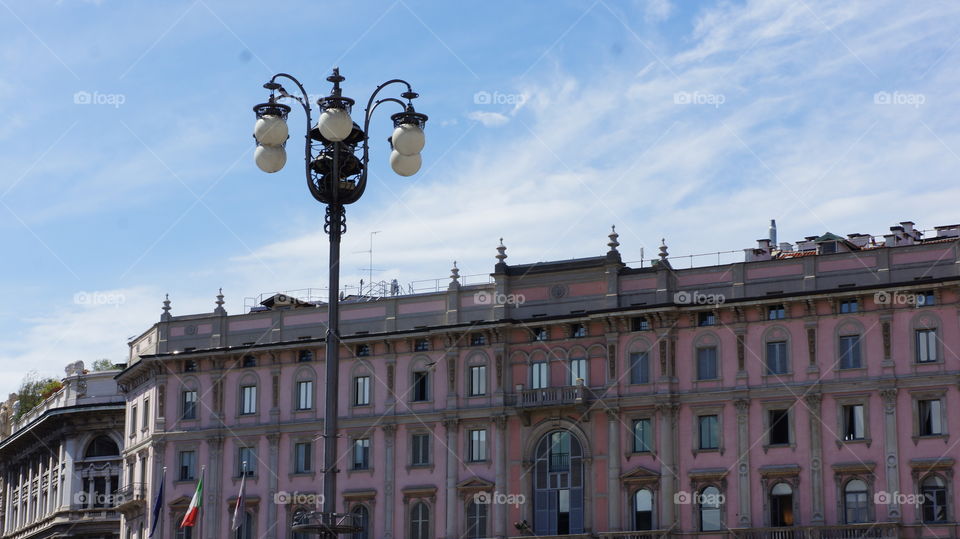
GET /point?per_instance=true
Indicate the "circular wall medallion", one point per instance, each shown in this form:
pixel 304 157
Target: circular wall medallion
pixel 191 330
pixel 558 290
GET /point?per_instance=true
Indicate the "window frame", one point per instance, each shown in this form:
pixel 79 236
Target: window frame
pixel 478 450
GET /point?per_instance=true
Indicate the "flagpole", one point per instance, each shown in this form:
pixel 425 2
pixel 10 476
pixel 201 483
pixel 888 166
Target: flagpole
pixel 203 475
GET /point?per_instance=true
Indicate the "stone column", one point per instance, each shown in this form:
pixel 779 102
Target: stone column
pixel 614 498
pixel 8 494
pixel 743 462
pixel 389 478
pixel 500 513
pixel 52 473
pixel 66 490
pixel 890 449
pixel 816 459
pixel 668 414
pixel 451 426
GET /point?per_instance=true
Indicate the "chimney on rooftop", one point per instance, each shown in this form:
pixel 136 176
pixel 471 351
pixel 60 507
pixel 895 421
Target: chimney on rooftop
pixel 773 231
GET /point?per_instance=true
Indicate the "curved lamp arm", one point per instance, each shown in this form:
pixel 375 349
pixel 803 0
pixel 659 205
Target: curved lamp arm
pixel 305 102
pixel 368 113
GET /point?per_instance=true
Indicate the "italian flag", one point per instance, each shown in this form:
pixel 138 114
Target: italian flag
pixel 190 519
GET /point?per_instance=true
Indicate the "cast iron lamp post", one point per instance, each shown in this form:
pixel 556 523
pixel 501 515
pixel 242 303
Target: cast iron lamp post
pixel 336 176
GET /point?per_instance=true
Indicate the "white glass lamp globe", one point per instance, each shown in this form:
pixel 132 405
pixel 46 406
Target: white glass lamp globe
pixel 405 165
pixel 335 124
pixel 408 139
pixel 271 131
pixel 270 159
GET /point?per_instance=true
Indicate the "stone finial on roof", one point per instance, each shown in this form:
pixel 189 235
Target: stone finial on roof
pixel 455 273
pixel 663 249
pixel 220 302
pixel 501 253
pixel 613 243
pixel 166 309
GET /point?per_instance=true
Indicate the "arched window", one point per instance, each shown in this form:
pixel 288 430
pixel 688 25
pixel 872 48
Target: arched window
pixel 934 491
pixel 246 529
pixel 781 505
pixel 558 485
pixel 642 510
pixel 361 517
pixel 855 502
pixel 476 519
pixel 101 446
pixel 709 502
pixel 420 521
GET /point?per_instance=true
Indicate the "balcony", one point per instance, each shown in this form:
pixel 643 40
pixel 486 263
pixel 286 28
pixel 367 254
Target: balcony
pixel 648 534
pixel 886 530
pixel 129 497
pixel 530 400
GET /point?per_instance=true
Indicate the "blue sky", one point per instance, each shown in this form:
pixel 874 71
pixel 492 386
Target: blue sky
pixel 691 121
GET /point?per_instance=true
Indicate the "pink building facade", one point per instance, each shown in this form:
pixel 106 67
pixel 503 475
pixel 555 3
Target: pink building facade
pixel 806 390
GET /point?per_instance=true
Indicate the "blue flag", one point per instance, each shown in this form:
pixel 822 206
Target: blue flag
pixel 158 504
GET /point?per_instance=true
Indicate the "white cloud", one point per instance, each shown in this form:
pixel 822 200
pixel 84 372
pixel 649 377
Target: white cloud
pixel 488 119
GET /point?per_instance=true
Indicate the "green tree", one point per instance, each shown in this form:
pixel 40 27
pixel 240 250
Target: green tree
pixel 33 391
pixel 103 365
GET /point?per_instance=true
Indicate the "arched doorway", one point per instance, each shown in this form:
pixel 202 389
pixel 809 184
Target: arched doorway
pixel 558 485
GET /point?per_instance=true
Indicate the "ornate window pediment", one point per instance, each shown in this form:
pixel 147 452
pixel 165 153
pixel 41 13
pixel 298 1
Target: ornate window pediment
pixel 640 476
pixel 473 485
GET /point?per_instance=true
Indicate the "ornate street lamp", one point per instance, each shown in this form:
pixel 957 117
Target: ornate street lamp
pixel 336 176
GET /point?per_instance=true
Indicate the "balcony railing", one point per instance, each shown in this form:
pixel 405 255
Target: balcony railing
pixel 648 534
pixel 551 396
pixel 886 530
pixel 129 493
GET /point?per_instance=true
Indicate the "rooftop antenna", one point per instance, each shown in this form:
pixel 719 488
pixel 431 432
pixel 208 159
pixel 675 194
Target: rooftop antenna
pixel 370 268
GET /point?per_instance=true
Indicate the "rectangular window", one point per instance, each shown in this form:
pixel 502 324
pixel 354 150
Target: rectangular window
pixel 639 368
pixel 777 358
pixel 189 365
pixel 926 346
pixel 854 426
pixel 478 339
pixel 305 356
pixel 133 420
pixel 639 323
pixel 850 352
pixel 246 455
pixel 146 414
pixel 538 375
pixel 188 464
pixel 363 350
pixel 421 345
pixel 849 306
pixel 189 404
pixel 642 436
pixel 926 299
pixel 779 432
pixel 361 454
pixel 303 457
pixel 305 395
pixel 776 312
pixel 931 420
pixel 249 362
pixel 478 445
pixel 248 400
pixel 421 449
pixel 421 381
pixel 578 330
pixel 706 319
pixel 361 391
pixel 707 363
pixel 709 432
pixel 540 334
pixel 478 380
pixel 578 370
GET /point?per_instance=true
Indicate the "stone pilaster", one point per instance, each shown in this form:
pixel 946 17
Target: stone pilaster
pixel 891 450
pixel 274 442
pixel 813 401
pixel 452 427
pixel 215 446
pixel 743 461
pixel 389 478
pixel 668 414
pixel 614 498
pixel 500 475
